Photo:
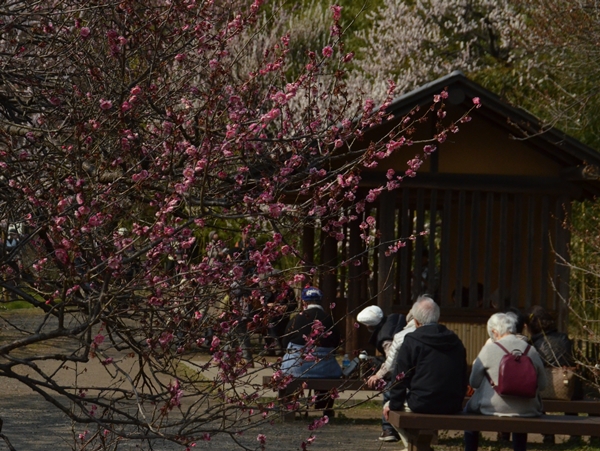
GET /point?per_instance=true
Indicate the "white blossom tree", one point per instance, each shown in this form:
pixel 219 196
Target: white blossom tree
pixel 414 42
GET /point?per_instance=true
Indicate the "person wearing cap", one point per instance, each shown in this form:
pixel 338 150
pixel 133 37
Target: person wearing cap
pixel 315 359
pixel 388 367
pixel 303 326
pixel 383 329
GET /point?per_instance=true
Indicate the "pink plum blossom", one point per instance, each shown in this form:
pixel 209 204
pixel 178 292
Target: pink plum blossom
pixel 337 12
pixel 105 104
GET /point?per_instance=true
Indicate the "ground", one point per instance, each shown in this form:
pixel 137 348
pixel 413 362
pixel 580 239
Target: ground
pixel 31 425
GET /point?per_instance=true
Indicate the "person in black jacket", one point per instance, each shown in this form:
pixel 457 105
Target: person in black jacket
pixel 311 340
pixel 303 325
pixel 431 367
pixel 554 347
pixel 382 328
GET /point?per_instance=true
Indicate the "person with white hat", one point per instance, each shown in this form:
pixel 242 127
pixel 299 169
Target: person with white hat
pixel 383 329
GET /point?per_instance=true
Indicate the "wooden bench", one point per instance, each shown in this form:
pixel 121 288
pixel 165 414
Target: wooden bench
pixel 421 428
pixel 591 407
pixel 313 384
pixel 580 406
pixel 342 384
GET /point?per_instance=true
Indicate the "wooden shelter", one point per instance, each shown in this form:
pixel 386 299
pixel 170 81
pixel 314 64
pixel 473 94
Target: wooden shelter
pixel 487 212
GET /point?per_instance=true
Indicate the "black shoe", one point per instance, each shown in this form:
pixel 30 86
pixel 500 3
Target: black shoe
pixel 574 440
pixel 389 436
pixel 548 440
pixel 503 437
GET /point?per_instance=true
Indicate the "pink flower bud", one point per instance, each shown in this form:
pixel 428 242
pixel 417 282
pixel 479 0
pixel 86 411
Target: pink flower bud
pixel 337 12
pixel 105 104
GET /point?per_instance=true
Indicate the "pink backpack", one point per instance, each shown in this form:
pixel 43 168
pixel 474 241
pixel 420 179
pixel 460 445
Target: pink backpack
pixel 516 374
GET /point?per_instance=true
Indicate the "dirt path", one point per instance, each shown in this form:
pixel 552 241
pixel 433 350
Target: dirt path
pixel 33 424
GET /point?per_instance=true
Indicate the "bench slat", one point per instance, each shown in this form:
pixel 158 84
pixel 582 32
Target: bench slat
pixel 550 405
pixel 555 405
pixel 547 424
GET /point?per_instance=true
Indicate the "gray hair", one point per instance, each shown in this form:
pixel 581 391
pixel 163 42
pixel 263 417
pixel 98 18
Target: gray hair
pixel 425 310
pixel 502 323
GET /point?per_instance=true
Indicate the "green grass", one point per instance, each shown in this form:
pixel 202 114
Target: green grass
pixel 15 305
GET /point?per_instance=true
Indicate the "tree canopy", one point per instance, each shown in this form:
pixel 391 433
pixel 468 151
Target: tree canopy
pixel 130 129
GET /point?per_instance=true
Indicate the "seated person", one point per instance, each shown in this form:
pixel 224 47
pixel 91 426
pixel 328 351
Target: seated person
pixel 431 367
pixel 282 303
pixel 383 330
pixel 501 328
pixel 388 367
pixel 315 358
pixel 555 348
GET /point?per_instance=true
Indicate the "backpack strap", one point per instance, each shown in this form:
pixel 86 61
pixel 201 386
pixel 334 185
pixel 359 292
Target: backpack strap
pixel 504 349
pixel 487 375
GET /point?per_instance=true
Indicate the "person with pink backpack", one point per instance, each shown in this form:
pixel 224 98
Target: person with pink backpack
pixel 505 353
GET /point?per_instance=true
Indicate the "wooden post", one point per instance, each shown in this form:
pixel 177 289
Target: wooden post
pixel 329 275
pixel 355 278
pixel 385 275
